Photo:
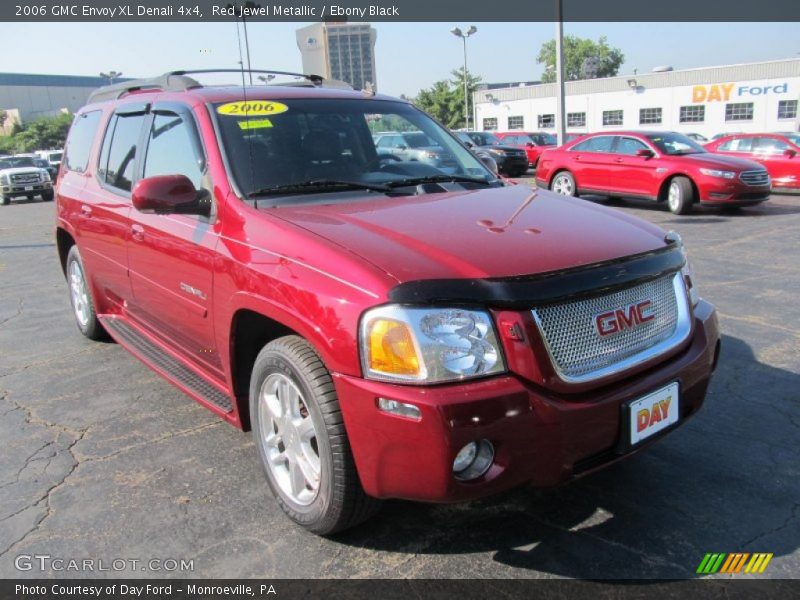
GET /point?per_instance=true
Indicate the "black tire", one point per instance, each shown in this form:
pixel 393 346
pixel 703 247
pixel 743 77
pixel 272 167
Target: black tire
pixel 89 326
pixel 563 183
pixel 340 501
pixel 48 196
pixel 5 200
pixel 680 195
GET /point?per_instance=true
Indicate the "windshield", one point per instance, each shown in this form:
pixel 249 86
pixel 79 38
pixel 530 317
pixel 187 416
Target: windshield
pixel 324 141
pixel 55 156
pixel 675 144
pixel 793 137
pixel 11 162
pixel 481 138
pixel 543 139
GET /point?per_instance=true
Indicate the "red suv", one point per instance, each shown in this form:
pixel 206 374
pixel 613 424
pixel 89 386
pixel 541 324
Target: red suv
pixel 778 152
pixel 662 167
pixel 533 143
pixel 387 328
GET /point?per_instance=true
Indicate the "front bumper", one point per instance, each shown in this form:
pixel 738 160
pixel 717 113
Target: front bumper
pixel 724 192
pixel 510 163
pixel 24 189
pixel 539 436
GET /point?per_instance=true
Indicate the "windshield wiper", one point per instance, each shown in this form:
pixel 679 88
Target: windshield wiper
pixel 317 185
pixel 437 179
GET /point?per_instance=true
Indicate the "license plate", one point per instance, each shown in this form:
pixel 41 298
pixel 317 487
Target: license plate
pixel 653 413
pixel 28 188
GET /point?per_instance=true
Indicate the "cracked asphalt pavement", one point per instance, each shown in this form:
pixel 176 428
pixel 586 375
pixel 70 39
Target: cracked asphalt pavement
pixel 103 459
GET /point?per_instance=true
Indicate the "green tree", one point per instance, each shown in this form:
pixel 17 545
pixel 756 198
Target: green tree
pixel 441 102
pixel 458 83
pixel 42 133
pixel 576 51
pixel 445 99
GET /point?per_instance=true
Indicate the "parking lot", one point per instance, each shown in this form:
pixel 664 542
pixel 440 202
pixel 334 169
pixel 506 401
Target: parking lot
pixel 103 459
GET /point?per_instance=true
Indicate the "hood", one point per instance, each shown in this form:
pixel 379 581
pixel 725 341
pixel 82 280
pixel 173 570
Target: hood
pixel 722 161
pixel 20 170
pixel 493 232
pixel 503 147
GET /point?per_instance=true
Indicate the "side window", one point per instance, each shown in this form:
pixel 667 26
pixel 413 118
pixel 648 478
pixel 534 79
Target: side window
pixel 767 145
pixel 173 149
pixel 737 145
pixel 629 146
pixel 79 141
pixel 596 144
pixel 118 157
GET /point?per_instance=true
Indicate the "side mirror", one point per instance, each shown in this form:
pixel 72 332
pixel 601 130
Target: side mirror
pixel 170 194
pixel 645 153
pixel 469 144
pixel 402 147
pixel 790 153
pixel 530 145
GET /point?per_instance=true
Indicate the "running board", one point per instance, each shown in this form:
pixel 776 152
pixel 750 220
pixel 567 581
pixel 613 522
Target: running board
pixel 165 364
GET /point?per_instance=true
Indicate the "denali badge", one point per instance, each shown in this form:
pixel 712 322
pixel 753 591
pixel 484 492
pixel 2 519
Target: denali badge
pixel 627 317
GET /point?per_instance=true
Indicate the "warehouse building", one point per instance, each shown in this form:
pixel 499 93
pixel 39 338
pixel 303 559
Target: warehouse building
pixel 751 97
pixel 27 96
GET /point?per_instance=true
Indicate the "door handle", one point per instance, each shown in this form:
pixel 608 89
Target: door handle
pixel 619 160
pixel 86 210
pixel 137 232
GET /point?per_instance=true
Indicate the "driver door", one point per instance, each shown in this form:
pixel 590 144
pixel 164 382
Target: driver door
pixel 171 257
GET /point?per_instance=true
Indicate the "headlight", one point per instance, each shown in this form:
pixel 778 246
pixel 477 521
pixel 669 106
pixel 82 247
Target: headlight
pixel 4 180
pixel 429 154
pixel 428 345
pixel 717 173
pixel 44 176
pixel 497 151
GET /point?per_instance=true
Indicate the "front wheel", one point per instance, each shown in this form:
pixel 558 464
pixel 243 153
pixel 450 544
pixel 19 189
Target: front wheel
pixel 301 439
pixel 47 196
pixel 563 183
pixel 4 200
pixel 680 196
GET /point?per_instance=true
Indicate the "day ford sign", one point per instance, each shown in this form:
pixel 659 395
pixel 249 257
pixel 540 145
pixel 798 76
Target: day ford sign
pixel 723 92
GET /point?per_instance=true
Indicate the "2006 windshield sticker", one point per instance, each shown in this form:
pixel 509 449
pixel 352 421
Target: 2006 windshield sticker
pixel 251 108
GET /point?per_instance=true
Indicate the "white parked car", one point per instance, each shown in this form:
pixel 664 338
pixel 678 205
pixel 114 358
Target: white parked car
pixel 19 176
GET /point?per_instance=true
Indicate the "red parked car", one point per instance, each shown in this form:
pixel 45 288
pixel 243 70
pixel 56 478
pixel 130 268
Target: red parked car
pixel 662 167
pixel 533 143
pixel 778 152
pixel 387 328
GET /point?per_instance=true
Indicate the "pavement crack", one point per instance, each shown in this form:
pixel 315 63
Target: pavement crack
pixel 44 499
pixel 784 525
pixel 20 308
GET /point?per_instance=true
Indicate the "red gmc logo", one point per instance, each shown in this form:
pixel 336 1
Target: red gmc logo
pixel 627 317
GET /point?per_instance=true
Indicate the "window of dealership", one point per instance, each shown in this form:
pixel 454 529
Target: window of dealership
pixel 751 97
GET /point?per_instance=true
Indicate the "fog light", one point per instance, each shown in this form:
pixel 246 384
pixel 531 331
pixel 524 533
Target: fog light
pixel 402 409
pixel 473 460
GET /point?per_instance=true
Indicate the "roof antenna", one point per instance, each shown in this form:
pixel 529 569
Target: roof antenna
pixel 244 97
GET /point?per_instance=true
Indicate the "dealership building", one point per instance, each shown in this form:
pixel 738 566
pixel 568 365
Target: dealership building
pixel 751 97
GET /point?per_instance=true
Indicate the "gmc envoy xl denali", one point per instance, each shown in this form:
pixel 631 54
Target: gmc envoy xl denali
pixel 386 328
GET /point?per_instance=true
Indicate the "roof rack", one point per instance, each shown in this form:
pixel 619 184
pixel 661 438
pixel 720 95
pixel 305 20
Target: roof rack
pixel 179 81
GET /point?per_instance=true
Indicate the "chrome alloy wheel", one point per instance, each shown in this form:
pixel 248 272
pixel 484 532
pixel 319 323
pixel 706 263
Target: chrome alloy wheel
pixel 289 439
pixel 674 196
pixel 562 185
pixel 80 296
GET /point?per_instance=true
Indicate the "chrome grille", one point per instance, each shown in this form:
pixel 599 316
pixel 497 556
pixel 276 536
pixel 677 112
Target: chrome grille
pixel 25 178
pixel 579 353
pixel 759 177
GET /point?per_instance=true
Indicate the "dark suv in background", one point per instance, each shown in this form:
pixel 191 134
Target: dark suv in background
pixel 510 161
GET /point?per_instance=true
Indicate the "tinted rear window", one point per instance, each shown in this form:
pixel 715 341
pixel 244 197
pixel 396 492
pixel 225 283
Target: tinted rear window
pixel 79 141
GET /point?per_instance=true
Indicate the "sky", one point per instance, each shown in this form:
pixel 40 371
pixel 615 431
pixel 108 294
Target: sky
pixel 409 56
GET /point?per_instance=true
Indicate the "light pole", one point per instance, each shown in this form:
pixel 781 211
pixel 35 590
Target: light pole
pixel 561 128
pixel 464 35
pixel 111 76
